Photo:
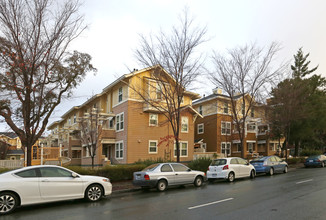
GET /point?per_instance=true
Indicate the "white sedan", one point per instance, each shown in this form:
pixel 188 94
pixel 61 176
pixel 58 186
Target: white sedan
pixel 230 168
pixel 40 184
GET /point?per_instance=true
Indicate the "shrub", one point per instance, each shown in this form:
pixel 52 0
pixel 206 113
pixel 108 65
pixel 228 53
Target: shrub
pixel 151 161
pixel 295 160
pixel 200 164
pixel 310 152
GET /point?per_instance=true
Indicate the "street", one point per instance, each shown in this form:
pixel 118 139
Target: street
pixel 299 194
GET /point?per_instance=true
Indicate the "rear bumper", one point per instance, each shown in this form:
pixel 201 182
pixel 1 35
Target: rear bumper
pixel 144 183
pixel 217 175
pixel 312 164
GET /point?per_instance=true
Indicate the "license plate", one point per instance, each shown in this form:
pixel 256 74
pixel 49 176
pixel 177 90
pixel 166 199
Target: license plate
pixel 214 174
pixel 311 160
pixel 137 177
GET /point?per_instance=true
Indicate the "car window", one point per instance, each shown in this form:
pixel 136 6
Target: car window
pixel 218 162
pixel 278 159
pixel 166 168
pixel 272 159
pixel 179 167
pixel 54 172
pixel 241 161
pixel 234 161
pixel 151 167
pixel 27 173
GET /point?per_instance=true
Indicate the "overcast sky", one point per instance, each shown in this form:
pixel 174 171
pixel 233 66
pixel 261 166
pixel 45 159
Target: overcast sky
pixel 115 25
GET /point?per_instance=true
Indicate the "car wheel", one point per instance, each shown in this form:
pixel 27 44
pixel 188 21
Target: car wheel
pixel 252 174
pixel 198 181
pixel 271 171
pixel 322 164
pixel 8 202
pixel 285 169
pixel 161 185
pixel 231 177
pixel 94 193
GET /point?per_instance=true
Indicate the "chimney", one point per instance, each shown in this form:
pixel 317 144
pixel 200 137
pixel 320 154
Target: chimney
pixel 217 91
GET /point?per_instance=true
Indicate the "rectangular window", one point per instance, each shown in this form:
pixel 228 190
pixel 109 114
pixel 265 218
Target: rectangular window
pixel 200 109
pixel 76 154
pixel 153 119
pixel 251 127
pixel 238 147
pixel 272 147
pixel 119 150
pixel 158 91
pixel 111 123
pixel 250 147
pixel 119 121
pixel 226 148
pixel 200 128
pixel 120 95
pixel 69 121
pixel 225 128
pixel 226 108
pixel 75 118
pixel 252 114
pixel 184 124
pixel 152 147
pixel 183 147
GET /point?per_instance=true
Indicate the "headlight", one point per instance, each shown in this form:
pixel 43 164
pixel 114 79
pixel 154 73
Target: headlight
pixel 106 180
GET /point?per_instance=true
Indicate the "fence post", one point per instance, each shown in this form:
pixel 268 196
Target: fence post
pixel 41 154
pixel 25 161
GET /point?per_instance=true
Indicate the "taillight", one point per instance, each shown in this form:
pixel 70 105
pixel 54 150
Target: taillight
pixel 208 169
pixel 146 177
pixel 318 160
pixel 226 167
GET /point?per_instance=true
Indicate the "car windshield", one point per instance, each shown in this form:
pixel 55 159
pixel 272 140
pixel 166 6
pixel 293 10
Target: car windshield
pixel 218 162
pixel 151 167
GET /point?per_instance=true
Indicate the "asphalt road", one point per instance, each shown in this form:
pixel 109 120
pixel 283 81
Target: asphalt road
pixel 299 194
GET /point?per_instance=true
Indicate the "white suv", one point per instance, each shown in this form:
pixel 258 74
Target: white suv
pixel 230 168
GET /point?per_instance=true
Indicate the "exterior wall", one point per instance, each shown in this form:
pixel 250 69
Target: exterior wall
pixel 140 133
pixel 210 130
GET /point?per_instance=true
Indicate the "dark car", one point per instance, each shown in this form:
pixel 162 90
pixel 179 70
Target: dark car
pixel 270 165
pixel 315 161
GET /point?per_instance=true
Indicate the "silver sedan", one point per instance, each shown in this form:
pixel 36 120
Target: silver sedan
pixel 162 175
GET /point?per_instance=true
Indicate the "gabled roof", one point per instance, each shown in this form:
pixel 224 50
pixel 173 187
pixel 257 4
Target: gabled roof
pixel 215 96
pixel 11 135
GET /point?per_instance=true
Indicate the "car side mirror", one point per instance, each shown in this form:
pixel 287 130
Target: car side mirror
pixel 189 170
pixel 74 175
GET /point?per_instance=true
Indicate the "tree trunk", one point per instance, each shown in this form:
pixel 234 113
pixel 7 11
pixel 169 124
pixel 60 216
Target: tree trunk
pixel 177 144
pixel 29 155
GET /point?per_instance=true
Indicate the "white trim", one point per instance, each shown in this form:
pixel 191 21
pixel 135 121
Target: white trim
pixel 187 124
pixel 251 141
pixel 149 120
pixel 180 148
pixel 198 128
pixel 119 103
pixel 226 148
pixel 115 150
pixel 226 123
pixel 149 146
pixel 123 122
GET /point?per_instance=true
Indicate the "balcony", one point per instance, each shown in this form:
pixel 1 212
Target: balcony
pixel 108 136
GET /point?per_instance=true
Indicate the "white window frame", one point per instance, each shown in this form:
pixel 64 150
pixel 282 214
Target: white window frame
pixel 227 148
pixel 180 148
pixel 120 122
pixel 226 128
pixel 149 119
pixel 187 124
pixel 198 128
pixel 149 146
pixel 200 109
pixel 158 91
pixel 119 147
pixel 120 94
pixel 252 144
pixel 226 108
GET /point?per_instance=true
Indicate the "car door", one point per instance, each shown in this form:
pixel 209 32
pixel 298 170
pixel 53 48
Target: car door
pixel 275 164
pixel 279 164
pixel 182 173
pixel 234 165
pixel 58 184
pixel 244 167
pixel 168 173
pixel 27 184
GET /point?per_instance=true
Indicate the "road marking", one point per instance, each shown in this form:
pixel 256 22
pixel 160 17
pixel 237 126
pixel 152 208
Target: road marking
pixel 304 181
pixel 211 203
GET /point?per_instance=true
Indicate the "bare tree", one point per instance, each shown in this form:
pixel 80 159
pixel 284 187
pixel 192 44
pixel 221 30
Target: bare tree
pixel 91 126
pixel 36 69
pixel 175 52
pixel 245 75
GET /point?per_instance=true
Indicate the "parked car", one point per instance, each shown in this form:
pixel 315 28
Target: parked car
pixel 270 165
pixel 162 175
pixel 230 168
pixel 41 184
pixel 315 161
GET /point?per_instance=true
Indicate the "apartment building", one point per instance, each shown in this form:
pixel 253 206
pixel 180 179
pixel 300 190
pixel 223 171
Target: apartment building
pixel 14 151
pixel 217 131
pixel 131 128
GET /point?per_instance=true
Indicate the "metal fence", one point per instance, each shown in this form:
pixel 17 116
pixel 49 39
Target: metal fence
pixel 11 164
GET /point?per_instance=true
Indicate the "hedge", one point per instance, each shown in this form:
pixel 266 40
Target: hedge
pixel 310 152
